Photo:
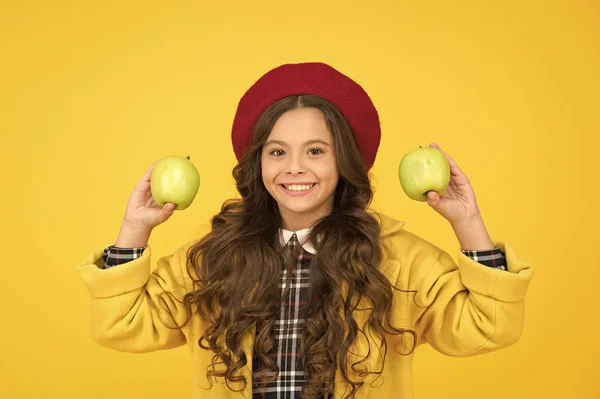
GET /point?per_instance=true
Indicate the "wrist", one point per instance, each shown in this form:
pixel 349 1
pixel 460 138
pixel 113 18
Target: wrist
pixel 472 234
pixel 133 236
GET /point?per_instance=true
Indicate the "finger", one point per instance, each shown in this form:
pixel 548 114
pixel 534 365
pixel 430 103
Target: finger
pixel 433 199
pixel 163 213
pixel 167 211
pixel 148 173
pixel 454 169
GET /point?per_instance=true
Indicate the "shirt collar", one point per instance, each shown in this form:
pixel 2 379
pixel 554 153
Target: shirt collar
pixel 302 236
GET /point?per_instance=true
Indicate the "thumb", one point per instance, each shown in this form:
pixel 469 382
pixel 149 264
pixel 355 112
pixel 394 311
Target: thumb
pixel 433 198
pixel 168 207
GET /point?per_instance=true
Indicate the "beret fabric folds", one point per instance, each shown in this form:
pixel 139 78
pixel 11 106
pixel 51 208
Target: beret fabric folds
pixel 310 78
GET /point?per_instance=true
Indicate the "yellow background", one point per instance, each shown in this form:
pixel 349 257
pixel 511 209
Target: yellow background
pixel 93 92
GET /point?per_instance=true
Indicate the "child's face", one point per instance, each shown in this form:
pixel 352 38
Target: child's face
pixel 291 156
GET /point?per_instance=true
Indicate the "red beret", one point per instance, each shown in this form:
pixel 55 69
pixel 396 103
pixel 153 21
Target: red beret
pixel 310 78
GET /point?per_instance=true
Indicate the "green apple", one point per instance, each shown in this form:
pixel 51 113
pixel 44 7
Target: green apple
pixel 424 169
pixel 176 180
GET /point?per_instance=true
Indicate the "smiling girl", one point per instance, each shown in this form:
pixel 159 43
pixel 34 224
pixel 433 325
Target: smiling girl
pixel 298 288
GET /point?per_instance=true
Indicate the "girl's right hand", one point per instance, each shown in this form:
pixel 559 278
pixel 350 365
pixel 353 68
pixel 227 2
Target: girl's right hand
pixel 142 211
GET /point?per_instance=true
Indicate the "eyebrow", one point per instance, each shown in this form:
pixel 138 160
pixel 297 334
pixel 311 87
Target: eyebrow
pixel 315 141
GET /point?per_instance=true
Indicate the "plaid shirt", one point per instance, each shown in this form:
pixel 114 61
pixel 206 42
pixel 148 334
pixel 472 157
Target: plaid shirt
pixel 287 329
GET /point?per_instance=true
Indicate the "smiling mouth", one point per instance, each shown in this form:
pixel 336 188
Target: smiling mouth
pixel 304 187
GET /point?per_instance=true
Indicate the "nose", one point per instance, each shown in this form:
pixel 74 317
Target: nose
pixel 295 166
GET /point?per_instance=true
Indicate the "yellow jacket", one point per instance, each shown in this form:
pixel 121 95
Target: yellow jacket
pixel 462 309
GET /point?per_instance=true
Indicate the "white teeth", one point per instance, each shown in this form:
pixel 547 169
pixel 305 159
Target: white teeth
pixel 297 187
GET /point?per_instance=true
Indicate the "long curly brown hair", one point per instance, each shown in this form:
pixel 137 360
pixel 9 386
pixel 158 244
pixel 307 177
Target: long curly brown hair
pixel 237 267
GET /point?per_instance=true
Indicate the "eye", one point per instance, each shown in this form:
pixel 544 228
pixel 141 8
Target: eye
pixel 275 151
pixel 316 149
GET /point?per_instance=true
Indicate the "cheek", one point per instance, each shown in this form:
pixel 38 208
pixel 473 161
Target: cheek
pixel 329 171
pixel 268 173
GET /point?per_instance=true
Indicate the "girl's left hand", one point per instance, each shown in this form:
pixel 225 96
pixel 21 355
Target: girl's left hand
pixel 458 203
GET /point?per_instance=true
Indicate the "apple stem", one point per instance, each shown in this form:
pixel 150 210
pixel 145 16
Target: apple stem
pixel 188 157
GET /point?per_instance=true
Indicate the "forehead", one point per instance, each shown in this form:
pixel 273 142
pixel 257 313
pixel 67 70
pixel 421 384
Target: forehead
pixel 299 125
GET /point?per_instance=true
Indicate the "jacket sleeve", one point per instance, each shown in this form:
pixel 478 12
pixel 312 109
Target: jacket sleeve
pixel 134 309
pixel 466 308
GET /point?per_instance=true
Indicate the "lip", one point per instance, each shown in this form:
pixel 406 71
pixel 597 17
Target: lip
pixel 298 193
